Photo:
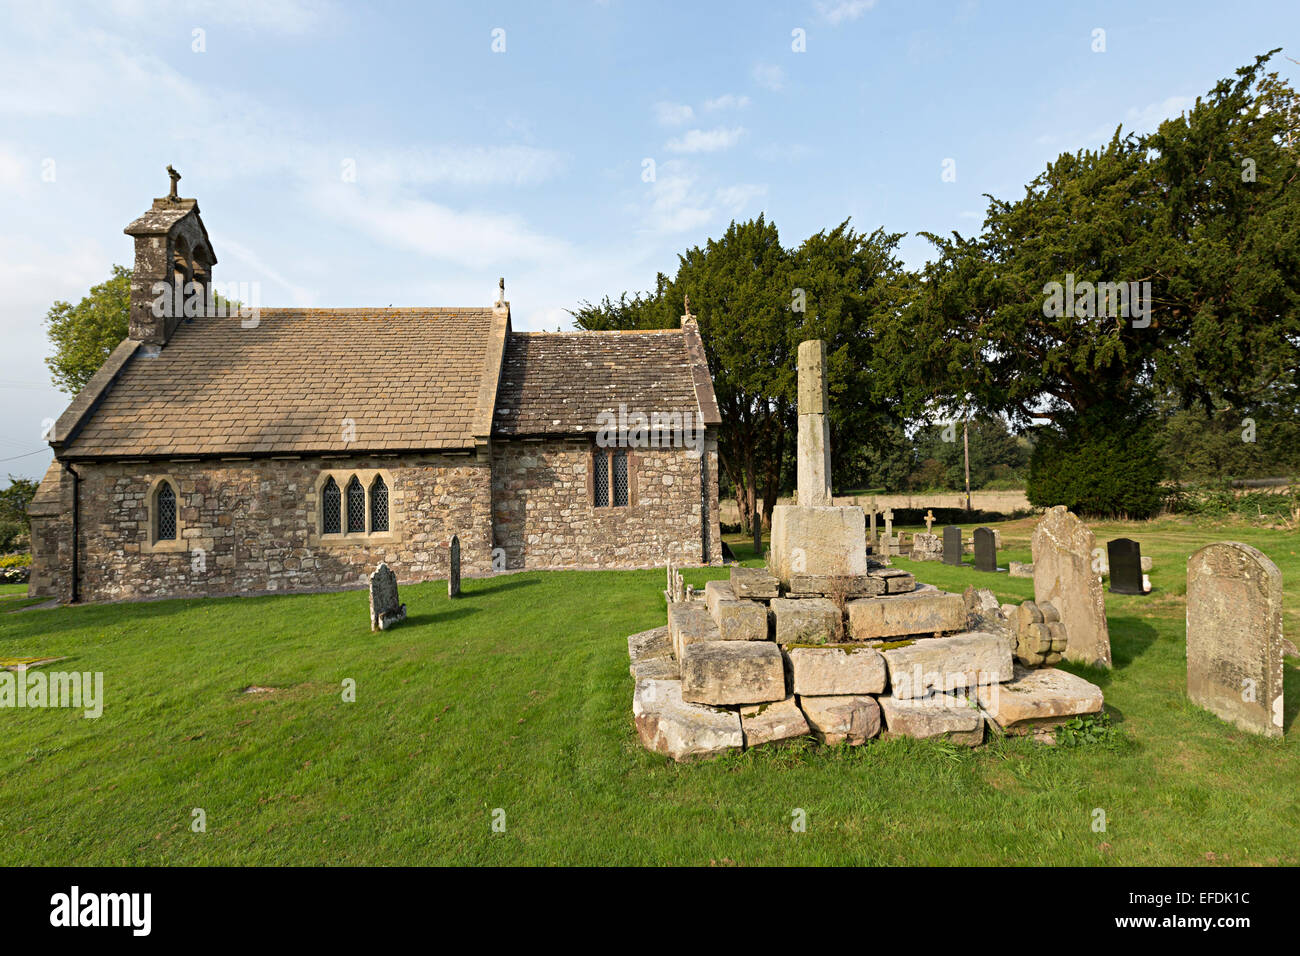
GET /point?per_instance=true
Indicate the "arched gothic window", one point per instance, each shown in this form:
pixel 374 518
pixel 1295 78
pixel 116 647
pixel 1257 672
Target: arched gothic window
pixel 378 505
pixel 330 508
pixel 356 507
pixel 165 513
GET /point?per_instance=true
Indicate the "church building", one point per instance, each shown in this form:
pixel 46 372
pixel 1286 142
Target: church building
pixel 294 449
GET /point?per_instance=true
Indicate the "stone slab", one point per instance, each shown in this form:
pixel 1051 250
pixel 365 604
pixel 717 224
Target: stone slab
pixel 904 615
pixel 805 620
pixel 660 668
pixel 829 540
pixel 715 591
pixel 689 622
pixel 649 645
pixel 723 673
pixel 948 664
pixel 669 725
pixel 836 670
pixel 740 620
pixel 1036 699
pixel 825 585
pixel 773 723
pixel 842 719
pixel 753 583
pixel 950 716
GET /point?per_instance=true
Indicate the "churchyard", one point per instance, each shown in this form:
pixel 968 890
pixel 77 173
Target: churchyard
pixel 515 697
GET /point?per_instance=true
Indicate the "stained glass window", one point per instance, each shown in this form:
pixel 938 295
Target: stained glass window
pixel 378 505
pixel 600 478
pixel 356 507
pixel 330 523
pixel 165 513
pixel 620 478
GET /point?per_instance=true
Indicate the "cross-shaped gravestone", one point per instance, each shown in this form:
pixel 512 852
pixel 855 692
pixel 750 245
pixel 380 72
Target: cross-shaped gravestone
pixel 889 532
pixel 929 520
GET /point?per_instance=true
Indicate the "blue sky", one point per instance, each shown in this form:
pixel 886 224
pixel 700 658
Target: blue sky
pixel 529 163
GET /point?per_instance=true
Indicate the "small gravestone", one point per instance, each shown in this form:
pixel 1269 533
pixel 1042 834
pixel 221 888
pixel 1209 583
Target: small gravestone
pixel 952 545
pixel 1125 558
pixel 453 575
pixel 385 610
pixel 758 535
pixel 986 550
pixel 1234 636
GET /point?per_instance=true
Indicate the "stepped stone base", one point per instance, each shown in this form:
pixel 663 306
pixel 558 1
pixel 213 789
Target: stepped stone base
pixel 842 719
pixel 809 540
pixel 825 585
pixel 773 723
pixel 836 669
pixel 805 620
pixel 688 623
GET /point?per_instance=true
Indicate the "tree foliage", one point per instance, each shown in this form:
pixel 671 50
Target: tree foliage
pixel 84 334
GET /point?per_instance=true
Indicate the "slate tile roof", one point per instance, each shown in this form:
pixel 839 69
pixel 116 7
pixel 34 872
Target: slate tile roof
pixel 408 378
pixel 556 383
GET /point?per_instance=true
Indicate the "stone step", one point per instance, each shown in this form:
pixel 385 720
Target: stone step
pixel 753 583
pixel 1034 700
pixel 947 664
pixel 773 723
pixel 715 591
pixel 723 673
pixel 825 585
pixel 836 669
pixel 851 719
pixel 739 620
pixel 669 725
pixel 951 716
pixel 904 615
pixel 896 580
pixel 804 620
pixel 689 622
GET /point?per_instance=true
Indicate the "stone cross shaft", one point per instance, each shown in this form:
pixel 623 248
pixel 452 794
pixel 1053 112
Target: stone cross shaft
pixel 814 427
pixel 929 520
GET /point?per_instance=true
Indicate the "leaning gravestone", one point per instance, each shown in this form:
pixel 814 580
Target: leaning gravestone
pixel 986 550
pixel 1234 636
pixel 385 611
pixel 1063 577
pixel 453 574
pixel 952 545
pixel 1124 555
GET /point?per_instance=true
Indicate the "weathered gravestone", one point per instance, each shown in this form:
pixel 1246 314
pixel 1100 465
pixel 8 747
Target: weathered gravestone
pixel 1234 636
pixel 1063 577
pixel 385 610
pixel 1125 558
pixel 453 574
pixel 952 545
pixel 986 550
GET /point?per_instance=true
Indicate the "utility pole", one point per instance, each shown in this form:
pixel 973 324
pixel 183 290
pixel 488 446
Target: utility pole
pixel 965 443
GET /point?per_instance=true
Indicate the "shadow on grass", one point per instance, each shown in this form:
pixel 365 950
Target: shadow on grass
pixel 472 587
pixel 1130 638
pixel 441 617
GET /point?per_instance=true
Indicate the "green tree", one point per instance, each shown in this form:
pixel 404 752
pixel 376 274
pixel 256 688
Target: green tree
pixel 755 301
pixel 84 334
pixel 14 500
pixel 1217 237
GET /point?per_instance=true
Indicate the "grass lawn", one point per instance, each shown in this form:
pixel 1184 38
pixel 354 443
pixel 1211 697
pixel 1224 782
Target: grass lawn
pixel 517 696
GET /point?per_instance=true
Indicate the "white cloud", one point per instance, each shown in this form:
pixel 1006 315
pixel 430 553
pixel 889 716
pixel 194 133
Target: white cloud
pixel 837 13
pixel 463 165
pixel 476 240
pixel 1153 114
pixel 727 101
pixel 769 77
pixel 783 152
pixel 673 114
pixel 706 141
pixel 738 197
pixel 677 205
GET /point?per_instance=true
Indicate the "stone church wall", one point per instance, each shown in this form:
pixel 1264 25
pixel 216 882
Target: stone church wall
pixel 544 516
pixel 254 526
